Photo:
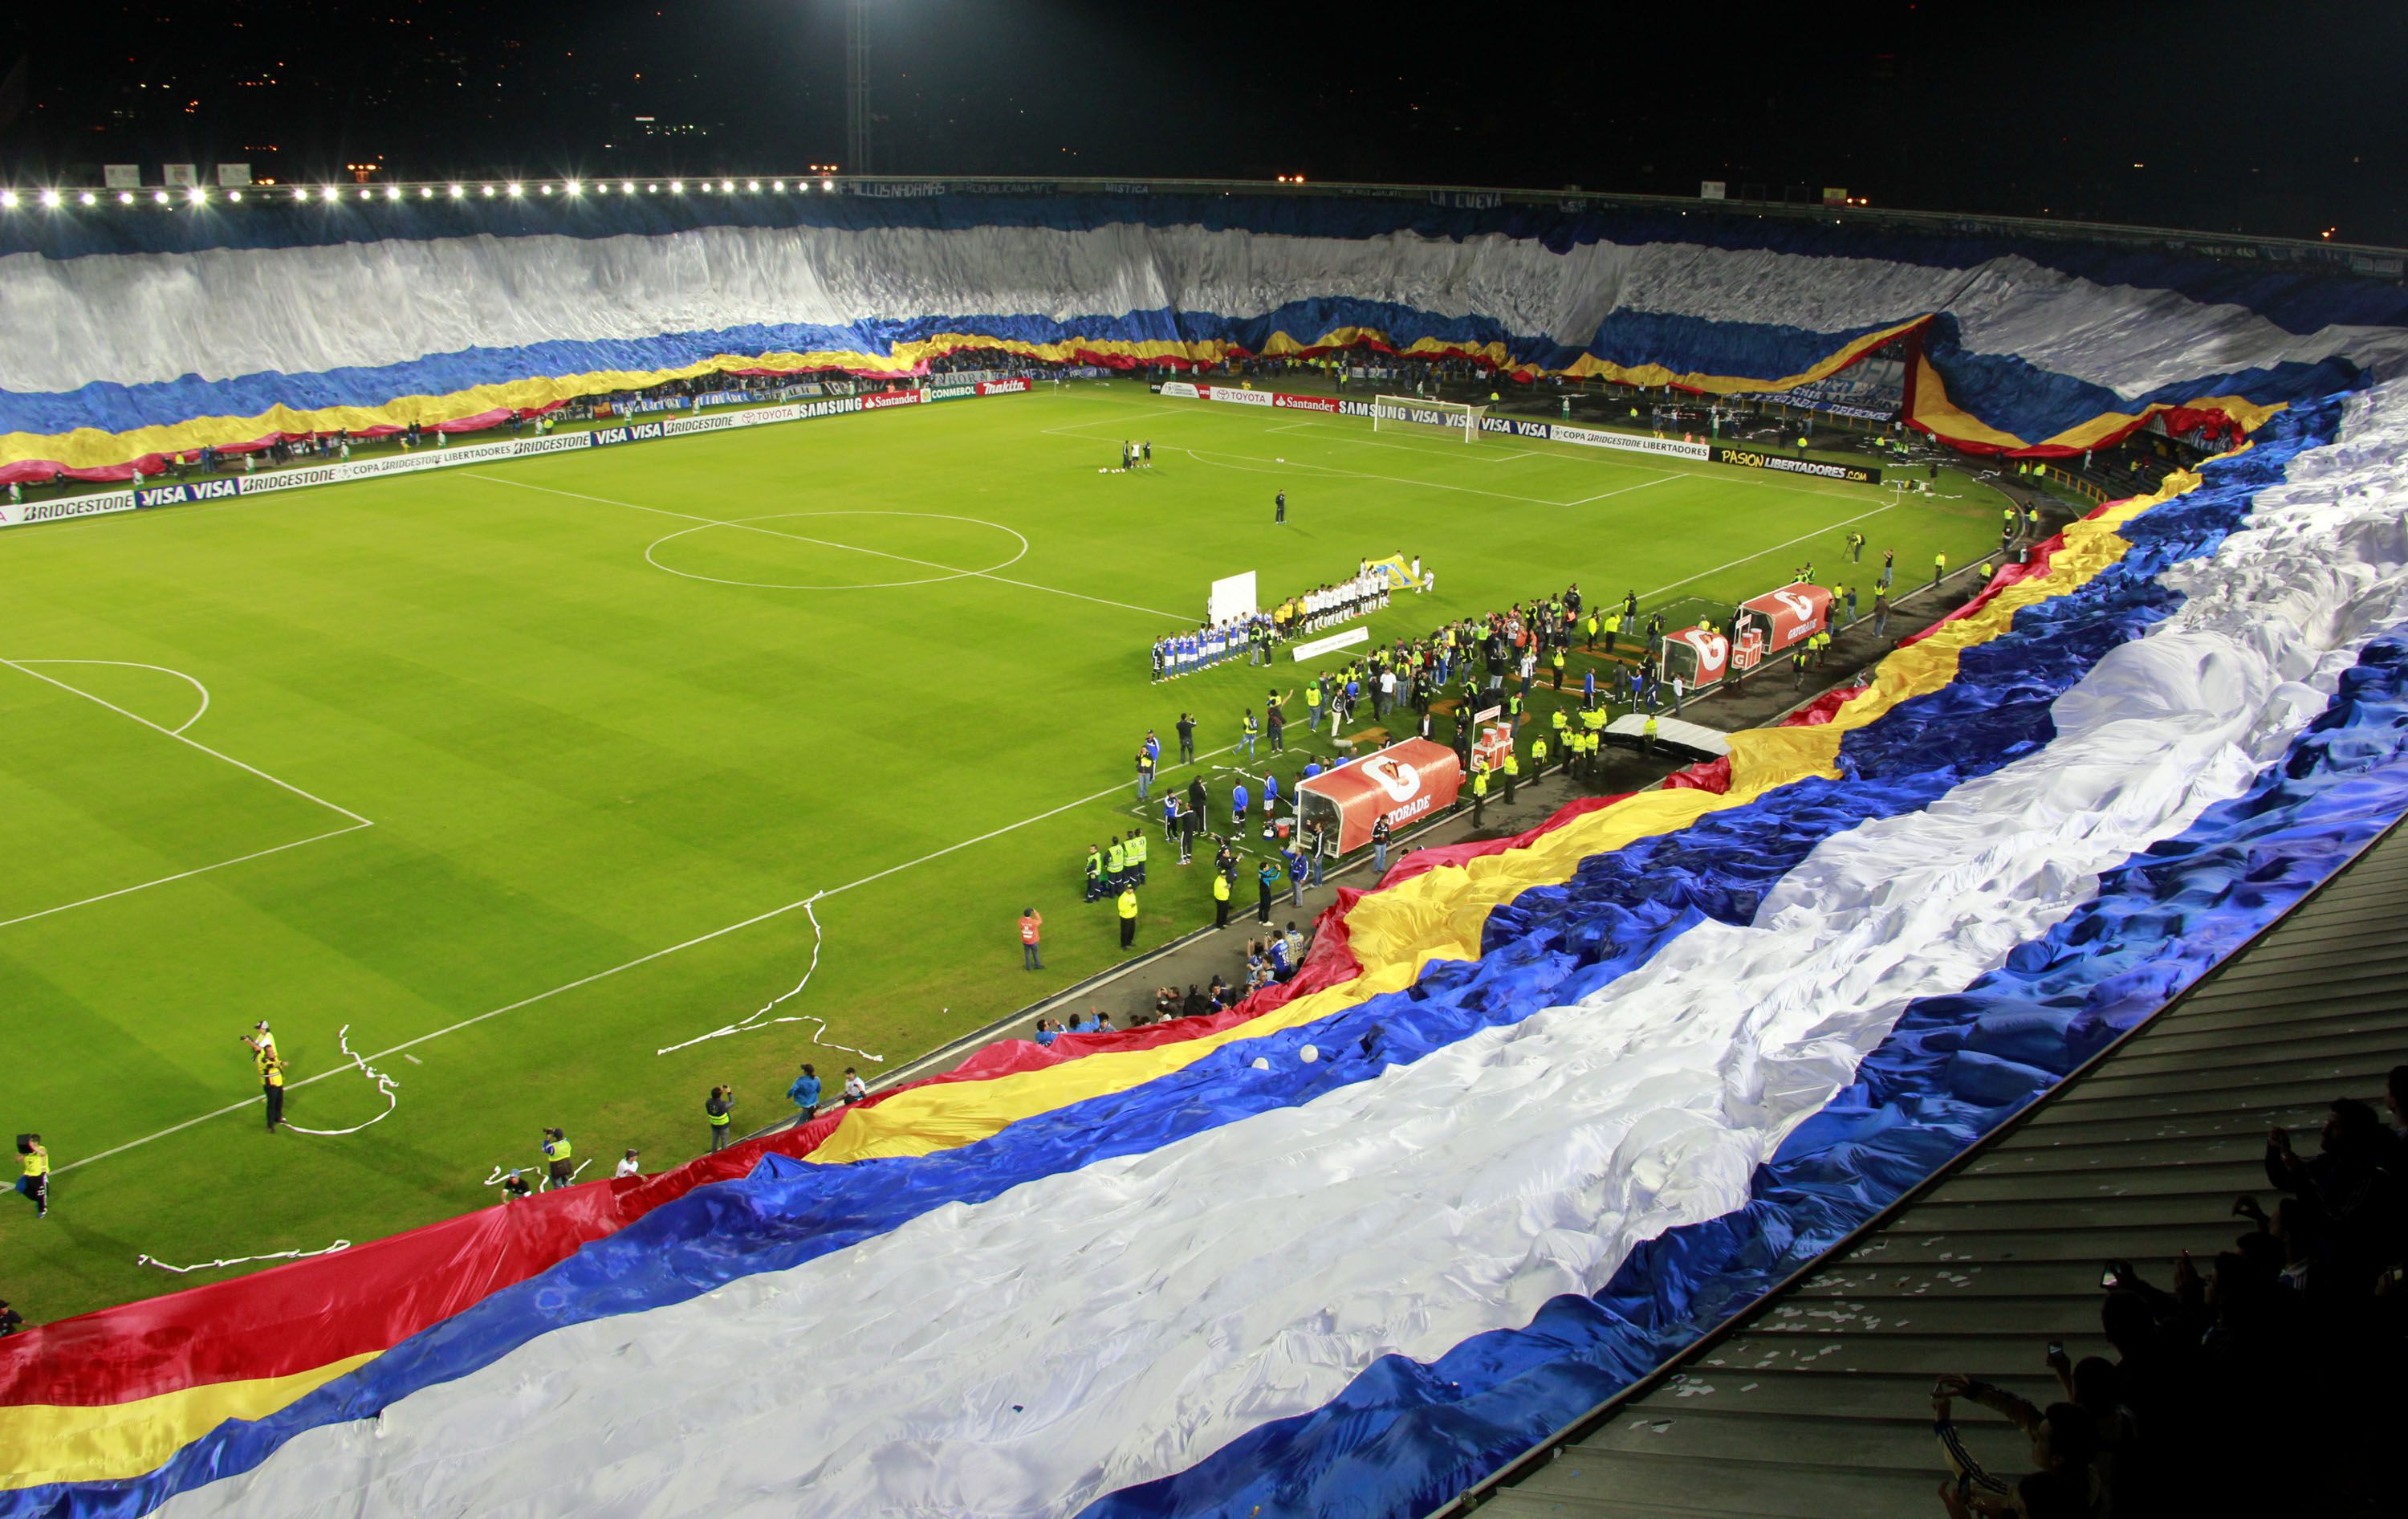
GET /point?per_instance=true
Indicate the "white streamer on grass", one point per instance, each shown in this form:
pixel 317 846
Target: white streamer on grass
pixel 242 1260
pixel 383 1084
pixel 760 1018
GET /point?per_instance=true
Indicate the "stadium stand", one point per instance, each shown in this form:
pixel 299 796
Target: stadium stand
pixel 1814 1404
pixel 1536 1115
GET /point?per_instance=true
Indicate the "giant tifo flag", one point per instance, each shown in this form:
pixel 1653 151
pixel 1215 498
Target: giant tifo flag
pixel 1536 1112
pixel 134 335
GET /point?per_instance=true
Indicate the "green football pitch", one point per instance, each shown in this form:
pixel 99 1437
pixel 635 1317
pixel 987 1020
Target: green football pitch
pixel 525 772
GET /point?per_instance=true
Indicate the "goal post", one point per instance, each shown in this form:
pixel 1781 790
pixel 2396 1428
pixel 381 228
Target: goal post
pixel 1411 414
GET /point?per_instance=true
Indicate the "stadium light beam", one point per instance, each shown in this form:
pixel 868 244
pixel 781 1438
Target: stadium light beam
pixel 51 198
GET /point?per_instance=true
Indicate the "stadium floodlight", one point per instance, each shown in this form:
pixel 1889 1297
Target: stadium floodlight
pixel 392 192
pixel 234 195
pixel 488 192
pixel 425 192
pixel 196 195
pixel 158 197
pixel 327 194
pixel 753 186
pixel 457 192
pixel 9 199
pixel 625 188
pixel 543 190
pixel 1410 413
pixel 516 189
pixel 778 185
pixel 677 187
pixel 125 197
pixel 51 199
pixel 828 184
pixel 366 193
pixel 87 198
pixel 728 187
pixel 573 188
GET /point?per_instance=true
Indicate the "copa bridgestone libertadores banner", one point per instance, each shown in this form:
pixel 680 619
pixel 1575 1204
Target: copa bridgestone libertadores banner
pixel 1554 432
pixel 438 456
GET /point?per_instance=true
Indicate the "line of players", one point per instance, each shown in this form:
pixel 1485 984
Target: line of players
pixel 1256 636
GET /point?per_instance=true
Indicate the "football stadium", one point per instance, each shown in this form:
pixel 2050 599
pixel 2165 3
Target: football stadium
pixel 852 844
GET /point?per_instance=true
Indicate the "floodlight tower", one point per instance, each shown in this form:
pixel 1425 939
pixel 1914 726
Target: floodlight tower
pixel 856 86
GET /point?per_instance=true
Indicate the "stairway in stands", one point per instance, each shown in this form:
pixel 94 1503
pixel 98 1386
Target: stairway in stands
pixel 1816 1405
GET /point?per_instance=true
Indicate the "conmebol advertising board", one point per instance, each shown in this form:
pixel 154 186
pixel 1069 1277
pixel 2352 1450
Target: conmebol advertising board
pixel 1403 782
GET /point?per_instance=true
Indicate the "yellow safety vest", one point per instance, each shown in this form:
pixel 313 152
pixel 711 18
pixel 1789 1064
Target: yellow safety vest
pixel 1220 887
pixel 1479 782
pixel 38 1164
pixel 272 1073
pixel 1129 904
pixel 1135 849
pixel 563 1149
pixel 1116 859
pixel 1651 727
pixel 1538 752
pixel 1512 763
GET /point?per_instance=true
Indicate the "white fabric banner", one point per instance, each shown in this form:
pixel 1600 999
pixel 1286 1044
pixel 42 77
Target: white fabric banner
pixel 1114 1324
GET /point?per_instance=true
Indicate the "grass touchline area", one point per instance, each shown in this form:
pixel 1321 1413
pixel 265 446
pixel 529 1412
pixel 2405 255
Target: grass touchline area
pixel 585 745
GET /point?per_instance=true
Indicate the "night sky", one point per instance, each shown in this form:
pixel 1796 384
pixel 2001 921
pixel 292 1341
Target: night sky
pixel 2269 119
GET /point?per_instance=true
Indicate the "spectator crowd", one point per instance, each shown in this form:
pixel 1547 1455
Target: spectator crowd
pixel 2260 1382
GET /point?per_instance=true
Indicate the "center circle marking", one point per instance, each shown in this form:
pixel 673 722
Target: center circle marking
pixel 795 538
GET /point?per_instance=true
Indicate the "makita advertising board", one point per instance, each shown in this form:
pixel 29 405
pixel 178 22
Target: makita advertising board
pixel 1403 782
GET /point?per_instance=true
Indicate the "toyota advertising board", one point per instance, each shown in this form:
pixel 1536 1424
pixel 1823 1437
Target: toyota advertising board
pixel 1792 614
pixel 1403 782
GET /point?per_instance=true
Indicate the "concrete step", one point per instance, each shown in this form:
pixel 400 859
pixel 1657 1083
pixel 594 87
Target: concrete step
pixel 1675 1489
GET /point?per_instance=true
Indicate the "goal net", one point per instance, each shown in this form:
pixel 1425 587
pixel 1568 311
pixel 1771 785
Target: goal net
pixel 1411 414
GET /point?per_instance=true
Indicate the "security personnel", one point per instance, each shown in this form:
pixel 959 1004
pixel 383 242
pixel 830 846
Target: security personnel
pixel 1560 721
pixel 1128 906
pixel 1116 865
pixel 719 1109
pixel 1514 714
pixel 271 1085
pixel 1479 789
pixel 1134 853
pixel 1556 660
pixel 33 1181
pixel 1312 705
pixel 1512 773
pixel 1647 735
pixel 1220 899
pixel 1939 566
pixel 1144 774
pixel 1095 872
pixel 1539 755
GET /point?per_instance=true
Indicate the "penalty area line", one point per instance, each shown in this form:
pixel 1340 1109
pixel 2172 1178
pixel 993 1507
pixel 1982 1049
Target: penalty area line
pixel 405 1046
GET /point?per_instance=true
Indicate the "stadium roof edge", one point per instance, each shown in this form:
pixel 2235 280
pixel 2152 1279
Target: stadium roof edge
pixel 2365 260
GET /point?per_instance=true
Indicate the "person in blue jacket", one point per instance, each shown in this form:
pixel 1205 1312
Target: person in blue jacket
pixel 805 1093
